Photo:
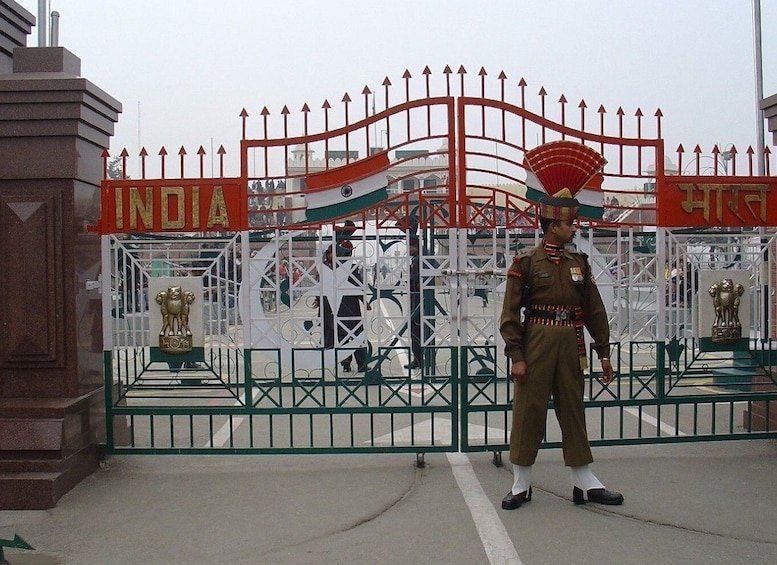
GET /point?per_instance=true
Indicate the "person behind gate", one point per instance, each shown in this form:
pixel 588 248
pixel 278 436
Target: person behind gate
pixel 553 282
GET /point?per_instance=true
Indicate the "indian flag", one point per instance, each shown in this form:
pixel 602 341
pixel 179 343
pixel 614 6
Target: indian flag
pixel 347 189
pixel 591 196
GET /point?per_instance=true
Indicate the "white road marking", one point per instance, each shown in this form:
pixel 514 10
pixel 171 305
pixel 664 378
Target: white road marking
pixel 493 535
pixel 650 420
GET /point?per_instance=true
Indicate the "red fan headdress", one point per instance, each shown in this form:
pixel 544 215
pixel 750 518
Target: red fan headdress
pixel 562 169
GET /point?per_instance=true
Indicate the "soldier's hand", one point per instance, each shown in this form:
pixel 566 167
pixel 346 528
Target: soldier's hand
pixel 518 371
pixel 607 372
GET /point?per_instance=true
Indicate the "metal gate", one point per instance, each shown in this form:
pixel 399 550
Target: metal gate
pixel 270 372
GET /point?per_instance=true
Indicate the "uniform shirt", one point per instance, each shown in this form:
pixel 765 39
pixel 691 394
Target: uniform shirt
pixel 569 283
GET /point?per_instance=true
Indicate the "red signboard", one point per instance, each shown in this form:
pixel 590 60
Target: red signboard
pixel 700 201
pixel 178 205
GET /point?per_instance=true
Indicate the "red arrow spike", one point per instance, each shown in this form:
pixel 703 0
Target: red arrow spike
pixel 124 154
pixel 502 78
pixel 221 152
pixel 482 72
pixel 182 150
pixel 366 93
pixel 326 108
pixel 265 113
pixel 447 72
pixel 201 153
pixel 386 83
pixel 244 117
pixel 427 72
pixel 346 98
pixel 638 113
pixel 182 154
pixel 143 155
pixel 733 153
pixel 522 84
pixel 563 102
pixel 162 155
pixel 680 151
pixel 750 152
pixel 305 108
pixel 582 107
pixel 461 72
pixel 767 164
pixel 543 93
pixel 285 111
pixel 105 155
pixel 407 76
pixel 658 115
pixel 697 152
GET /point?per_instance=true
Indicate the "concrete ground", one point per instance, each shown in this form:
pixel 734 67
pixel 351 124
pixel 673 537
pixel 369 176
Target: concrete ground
pixel 702 503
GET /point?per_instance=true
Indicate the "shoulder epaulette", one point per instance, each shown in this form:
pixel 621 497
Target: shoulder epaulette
pixel 515 270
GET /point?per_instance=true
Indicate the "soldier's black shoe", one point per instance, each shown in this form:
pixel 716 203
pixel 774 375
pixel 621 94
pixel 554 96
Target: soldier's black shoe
pixel 514 501
pixel 413 365
pixel 598 495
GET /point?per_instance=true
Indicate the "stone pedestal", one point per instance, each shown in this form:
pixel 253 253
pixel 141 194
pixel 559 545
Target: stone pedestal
pixel 54 126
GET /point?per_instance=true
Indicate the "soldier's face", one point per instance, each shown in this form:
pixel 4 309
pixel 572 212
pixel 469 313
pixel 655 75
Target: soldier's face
pixel 563 231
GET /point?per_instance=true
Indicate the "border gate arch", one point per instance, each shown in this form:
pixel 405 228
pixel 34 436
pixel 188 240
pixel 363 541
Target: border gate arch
pixel 268 371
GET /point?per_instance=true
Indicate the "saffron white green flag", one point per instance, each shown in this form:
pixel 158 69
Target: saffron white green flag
pixel 591 196
pixel 347 189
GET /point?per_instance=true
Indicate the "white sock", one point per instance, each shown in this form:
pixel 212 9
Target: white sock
pixel 584 479
pixel 522 479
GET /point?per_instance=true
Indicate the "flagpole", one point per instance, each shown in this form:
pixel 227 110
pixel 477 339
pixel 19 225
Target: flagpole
pixel 760 151
pixel 759 87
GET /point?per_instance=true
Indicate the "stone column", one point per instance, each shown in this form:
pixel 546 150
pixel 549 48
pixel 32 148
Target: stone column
pixel 54 126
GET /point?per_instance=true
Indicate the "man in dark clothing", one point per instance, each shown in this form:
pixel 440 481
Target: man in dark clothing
pixel 349 324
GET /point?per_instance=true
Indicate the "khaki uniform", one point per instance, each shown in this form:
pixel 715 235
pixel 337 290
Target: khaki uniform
pixel 551 352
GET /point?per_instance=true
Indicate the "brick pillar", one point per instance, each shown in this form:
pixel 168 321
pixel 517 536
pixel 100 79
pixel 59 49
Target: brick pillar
pixel 54 126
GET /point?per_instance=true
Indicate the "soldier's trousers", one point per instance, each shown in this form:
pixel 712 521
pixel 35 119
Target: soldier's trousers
pixel 553 368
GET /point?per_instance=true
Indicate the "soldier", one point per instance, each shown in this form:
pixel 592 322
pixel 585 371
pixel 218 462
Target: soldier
pixel 548 354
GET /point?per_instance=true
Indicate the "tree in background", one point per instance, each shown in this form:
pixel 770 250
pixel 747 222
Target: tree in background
pixel 114 168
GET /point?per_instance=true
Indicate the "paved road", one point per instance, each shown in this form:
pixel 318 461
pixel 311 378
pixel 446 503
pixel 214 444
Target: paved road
pixel 702 503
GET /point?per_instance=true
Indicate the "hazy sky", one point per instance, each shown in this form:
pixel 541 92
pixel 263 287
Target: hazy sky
pixel 184 70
